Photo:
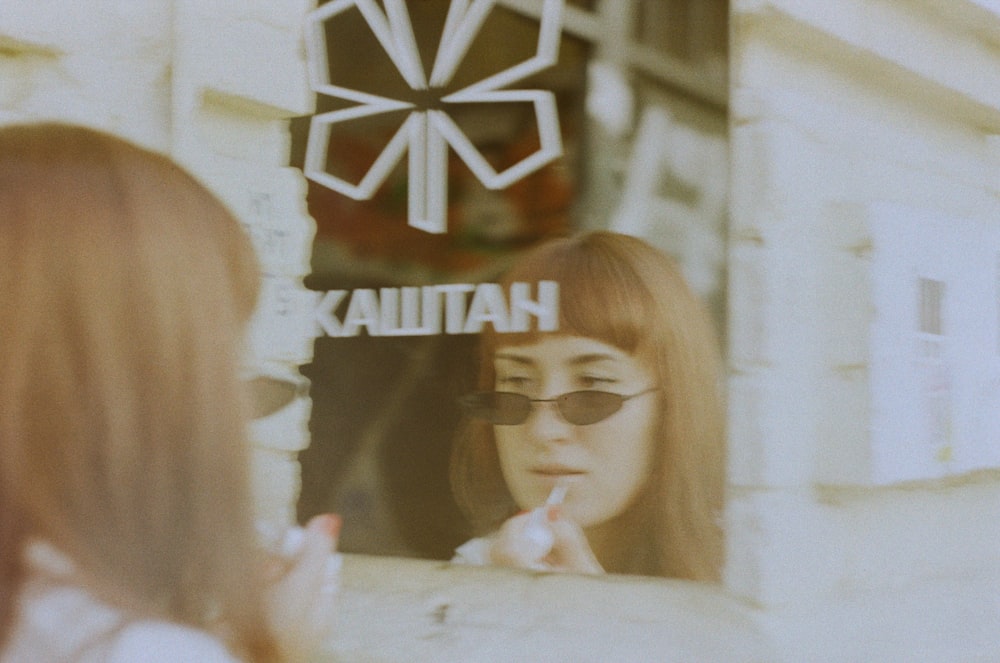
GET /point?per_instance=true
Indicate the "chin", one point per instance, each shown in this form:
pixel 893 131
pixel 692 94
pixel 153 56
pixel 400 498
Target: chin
pixel 592 515
pixel 582 516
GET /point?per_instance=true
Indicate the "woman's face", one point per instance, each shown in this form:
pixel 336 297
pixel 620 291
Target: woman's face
pixel 604 464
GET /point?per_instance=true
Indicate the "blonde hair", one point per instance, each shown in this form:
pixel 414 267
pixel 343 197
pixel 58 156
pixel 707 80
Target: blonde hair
pixel 126 288
pixel 621 291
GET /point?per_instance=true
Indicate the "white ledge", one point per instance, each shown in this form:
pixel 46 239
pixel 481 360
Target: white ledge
pixel 944 54
pixel 394 609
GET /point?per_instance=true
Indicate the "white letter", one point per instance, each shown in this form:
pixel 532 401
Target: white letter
pixel 363 311
pixel 546 309
pixel 487 305
pixel 411 312
pixel 454 312
pixel 324 312
pixel 409 323
pixel 389 311
pixel 431 309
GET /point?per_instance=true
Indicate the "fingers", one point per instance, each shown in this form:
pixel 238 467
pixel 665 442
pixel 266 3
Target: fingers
pixel 320 574
pixel 302 600
pixel 519 544
pixel 564 547
pixel 319 540
pixel 571 552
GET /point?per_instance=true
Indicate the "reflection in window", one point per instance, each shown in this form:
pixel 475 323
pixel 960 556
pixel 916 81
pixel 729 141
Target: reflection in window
pixel 385 409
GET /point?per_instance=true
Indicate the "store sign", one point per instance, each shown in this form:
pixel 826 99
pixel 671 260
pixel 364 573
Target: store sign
pixel 428 130
pixel 435 309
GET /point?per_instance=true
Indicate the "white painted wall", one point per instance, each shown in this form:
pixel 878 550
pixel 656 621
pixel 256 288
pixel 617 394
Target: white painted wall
pixel 842 110
pixel 104 64
pixel 239 74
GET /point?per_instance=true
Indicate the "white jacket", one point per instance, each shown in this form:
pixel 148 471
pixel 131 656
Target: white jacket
pixel 58 622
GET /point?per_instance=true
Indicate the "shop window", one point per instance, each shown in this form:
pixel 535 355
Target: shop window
pixel 384 407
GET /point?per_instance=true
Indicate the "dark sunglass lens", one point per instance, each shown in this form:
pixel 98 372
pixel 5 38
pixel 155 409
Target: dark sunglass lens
pixel 498 407
pixel 511 408
pixel 270 394
pixel 588 407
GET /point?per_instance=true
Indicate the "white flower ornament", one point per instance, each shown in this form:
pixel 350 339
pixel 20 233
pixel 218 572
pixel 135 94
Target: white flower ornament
pixel 427 133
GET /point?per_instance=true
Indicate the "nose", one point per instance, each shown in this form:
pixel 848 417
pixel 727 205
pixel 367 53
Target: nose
pixel 546 423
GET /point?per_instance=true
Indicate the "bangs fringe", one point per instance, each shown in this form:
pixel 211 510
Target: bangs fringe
pixel 599 296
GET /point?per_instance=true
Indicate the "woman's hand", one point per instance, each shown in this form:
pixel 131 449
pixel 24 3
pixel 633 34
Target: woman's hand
pixel 544 540
pixel 303 591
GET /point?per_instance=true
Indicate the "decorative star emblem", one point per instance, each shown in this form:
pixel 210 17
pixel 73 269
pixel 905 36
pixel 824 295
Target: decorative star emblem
pixel 426 133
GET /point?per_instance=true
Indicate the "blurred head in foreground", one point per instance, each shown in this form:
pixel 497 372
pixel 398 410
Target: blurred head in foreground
pixel 126 287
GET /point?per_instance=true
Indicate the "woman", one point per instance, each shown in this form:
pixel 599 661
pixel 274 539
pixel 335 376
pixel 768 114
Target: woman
pixel 125 526
pixel 608 433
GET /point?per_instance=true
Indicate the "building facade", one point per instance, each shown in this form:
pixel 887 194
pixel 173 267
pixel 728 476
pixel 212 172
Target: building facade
pixel 851 244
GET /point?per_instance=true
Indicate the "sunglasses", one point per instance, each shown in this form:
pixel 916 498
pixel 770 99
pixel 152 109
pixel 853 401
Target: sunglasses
pixel 580 408
pixel 270 394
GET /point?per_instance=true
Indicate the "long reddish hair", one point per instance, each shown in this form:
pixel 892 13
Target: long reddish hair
pixel 619 290
pixel 126 289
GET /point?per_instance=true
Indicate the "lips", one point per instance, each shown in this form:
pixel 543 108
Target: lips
pixel 556 471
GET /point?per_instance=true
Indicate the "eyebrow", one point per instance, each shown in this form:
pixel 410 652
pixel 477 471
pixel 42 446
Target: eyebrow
pixel 517 359
pixel 578 360
pixel 592 358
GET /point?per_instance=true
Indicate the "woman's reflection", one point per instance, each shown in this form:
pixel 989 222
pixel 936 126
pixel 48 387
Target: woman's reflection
pixel 600 447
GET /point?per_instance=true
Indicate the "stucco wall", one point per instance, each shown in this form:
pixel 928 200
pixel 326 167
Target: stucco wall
pixel 105 64
pixel 839 108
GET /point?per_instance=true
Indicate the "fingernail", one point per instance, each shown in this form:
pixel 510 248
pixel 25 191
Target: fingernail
pixel 328 523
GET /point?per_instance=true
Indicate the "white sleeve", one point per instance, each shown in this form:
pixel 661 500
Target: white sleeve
pixel 475 552
pixel 162 642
